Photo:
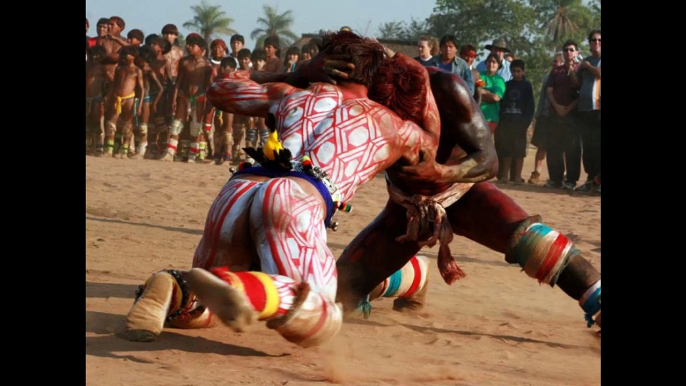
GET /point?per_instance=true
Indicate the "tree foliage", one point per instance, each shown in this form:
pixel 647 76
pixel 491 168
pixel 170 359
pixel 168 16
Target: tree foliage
pixel 275 24
pixel 209 21
pixel 533 29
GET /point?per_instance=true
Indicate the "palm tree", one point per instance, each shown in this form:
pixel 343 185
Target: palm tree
pixel 564 21
pixel 209 20
pixel 274 25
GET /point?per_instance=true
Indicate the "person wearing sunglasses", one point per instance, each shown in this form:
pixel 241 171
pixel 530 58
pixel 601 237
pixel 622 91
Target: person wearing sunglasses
pixel 587 80
pixel 563 137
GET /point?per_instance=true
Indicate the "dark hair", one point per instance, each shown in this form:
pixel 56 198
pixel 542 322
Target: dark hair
pixel 258 54
pixel 164 43
pixel 570 43
pixel 136 33
pixel 272 40
pixel 229 61
pixel 87 23
pixel 467 48
pixel 243 53
pixel 118 21
pixel 237 37
pixel 313 45
pixel 518 63
pixel 128 50
pixel 367 55
pixel 197 40
pixel 448 38
pixel 103 20
pixel 292 50
pixel 170 29
pixel 590 35
pixel 97 52
pixel 146 53
pixel 496 58
pixel 141 61
pixel 151 38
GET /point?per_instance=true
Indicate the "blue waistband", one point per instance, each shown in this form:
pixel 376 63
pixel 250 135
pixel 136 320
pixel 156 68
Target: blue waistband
pixel 323 190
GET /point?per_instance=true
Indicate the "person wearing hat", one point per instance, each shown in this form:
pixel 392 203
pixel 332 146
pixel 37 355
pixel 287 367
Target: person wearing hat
pixel 499 48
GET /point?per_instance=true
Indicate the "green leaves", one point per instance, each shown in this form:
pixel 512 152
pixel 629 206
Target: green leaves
pixel 533 29
pixel 275 24
pixel 209 21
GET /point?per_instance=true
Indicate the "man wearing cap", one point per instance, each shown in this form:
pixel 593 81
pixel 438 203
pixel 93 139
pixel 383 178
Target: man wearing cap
pixel 499 47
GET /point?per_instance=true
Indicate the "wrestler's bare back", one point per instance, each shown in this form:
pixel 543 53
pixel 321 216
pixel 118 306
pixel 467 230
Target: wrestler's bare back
pixel 351 138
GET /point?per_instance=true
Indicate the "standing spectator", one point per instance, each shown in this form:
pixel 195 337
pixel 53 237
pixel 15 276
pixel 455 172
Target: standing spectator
pixel 135 37
pixel 516 112
pixel 540 136
pixel 563 136
pixel 493 90
pixel 468 54
pixel 237 42
pixel 114 41
pixel 170 33
pixel 499 48
pixel 587 79
pixel 305 53
pixel 449 61
pixel 426 47
pixel 313 46
pixel 291 60
pixel 274 64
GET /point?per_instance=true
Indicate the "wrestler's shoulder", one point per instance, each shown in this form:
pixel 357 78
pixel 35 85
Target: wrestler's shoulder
pixel 443 75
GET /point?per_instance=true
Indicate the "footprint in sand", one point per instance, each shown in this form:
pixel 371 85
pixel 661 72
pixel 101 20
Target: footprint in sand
pixel 573 237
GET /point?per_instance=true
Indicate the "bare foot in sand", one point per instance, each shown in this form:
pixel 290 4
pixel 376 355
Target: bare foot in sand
pixel 230 305
pixel 167 158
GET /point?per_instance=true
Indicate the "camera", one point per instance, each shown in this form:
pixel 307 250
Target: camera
pixel 578 59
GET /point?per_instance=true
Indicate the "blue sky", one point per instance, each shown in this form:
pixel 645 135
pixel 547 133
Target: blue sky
pixel 363 16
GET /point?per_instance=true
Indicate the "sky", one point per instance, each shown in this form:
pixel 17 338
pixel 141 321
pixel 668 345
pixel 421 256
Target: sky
pixel 363 16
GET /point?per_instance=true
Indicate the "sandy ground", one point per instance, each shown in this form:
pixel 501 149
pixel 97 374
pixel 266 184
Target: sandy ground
pixel 494 327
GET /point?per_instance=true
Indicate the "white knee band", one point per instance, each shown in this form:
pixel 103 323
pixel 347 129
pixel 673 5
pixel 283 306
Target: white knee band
pixel 196 129
pixel 176 127
pixel 111 128
pixel 143 128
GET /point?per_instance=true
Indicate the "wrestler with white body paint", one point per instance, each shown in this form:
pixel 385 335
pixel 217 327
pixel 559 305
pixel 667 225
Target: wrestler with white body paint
pixel 275 220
